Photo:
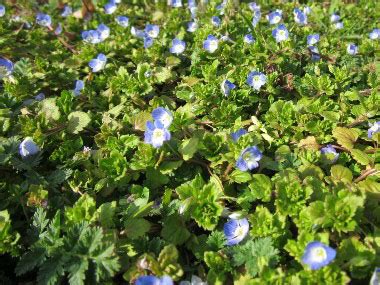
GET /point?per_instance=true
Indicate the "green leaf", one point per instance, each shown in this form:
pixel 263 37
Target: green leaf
pixel 261 187
pixel 83 210
pixel 50 109
pixel 189 147
pixel 77 121
pixel 346 137
pixel 360 156
pixel 239 176
pixel 341 173
pixel 136 227
pixel 174 230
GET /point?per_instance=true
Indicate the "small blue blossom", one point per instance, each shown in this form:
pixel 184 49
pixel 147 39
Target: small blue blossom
pixel 280 33
pixel 249 39
pixel 152 30
pixel 79 85
pixel 256 79
pixel 176 3
pixel 215 21
pixel 191 3
pixel 300 17
pixel 274 17
pixel 138 33
pixel 91 36
pixel 334 18
pixel 43 20
pixel 375 279
pixel 312 39
pixel 374 129
pixel 110 8
pixel 192 26
pixel 211 44
pixel 329 150
pixel 318 255
pixel 67 11
pixel 249 158
pixel 103 31
pixel 39 97
pixel 307 10
pixel 375 34
pixel 256 18
pixel 2 10
pixel 156 134
pixel 352 49
pixel 6 67
pixel 314 53
pixel 235 230
pixel 98 63
pixel 163 116
pixel 193 12
pixel 253 6
pixel 236 135
pixel 227 86
pixel 153 280
pixel 28 147
pixel 178 46
pixel 148 42
pixel 122 21
pixel 58 29
pixel 339 25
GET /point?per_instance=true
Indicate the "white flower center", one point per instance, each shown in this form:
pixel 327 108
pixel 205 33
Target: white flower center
pixel 318 254
pixel 158 134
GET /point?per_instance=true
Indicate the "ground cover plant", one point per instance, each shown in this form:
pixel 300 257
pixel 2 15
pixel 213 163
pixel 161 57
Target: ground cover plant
pixel 189 142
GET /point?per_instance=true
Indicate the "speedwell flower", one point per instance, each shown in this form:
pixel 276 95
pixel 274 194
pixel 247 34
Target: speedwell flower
pixel 300 17
pixel 227 86
pixel 122 21
pixel 307 10
pixel 91 36
pixel 156 134
pixel 352 49
pixel 110 8
pixel 274 17
pixel 312 39
pixel 67 11
pixel 28 147
pixel 153 280
pixel 137 32
pixel 374 128
pixel 253 6
pixel 2 10
pixel 79 85
pixel 178 46
pixel 39 97
pixel 215 21
pixel 58 29
pixel 195 280
pixel 318 255
pixel 256 17
pixel 148 42
pixel 176 3
pixel 236 135
pixel 375 34
pixel 280 33
pixel 314 53
pixel 211 44
pixel 249 158
pixel 163 116
pixel 6 67
pixel 152 30
pixel 43 20
pixel 192 26
pixel 103 31
pixel 334 18
pixel 339 25
pixel 235 230
pixel 256 79
pixel 249 39
pixel 98 63
pixel 329 151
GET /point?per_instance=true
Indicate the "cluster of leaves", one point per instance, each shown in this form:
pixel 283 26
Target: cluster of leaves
pixel 123 209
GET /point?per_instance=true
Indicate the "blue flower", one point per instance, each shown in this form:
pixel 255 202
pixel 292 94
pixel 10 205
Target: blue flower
pixel 215 21
pixel 178 46
pixel 103 31
pixel 318 255
pixel 314 53
pixel 280 33
pixel 227 86
pixel 339 25
pixel 352 49
pixel 39 97
pixel 374 128
pixel 334 18
pixel 235 230
pixel 98 63
pixel 192 26
pixel 176 3
pixel 253 6
pixel 58 29
pixel 67 11
pixel 138 33
pixel 236 135
pixel 110 8
pixel 249 158
pixel 193 11
pixel 6 67
pixel 274 17
pixel 148 42
pixel 156 134
pixel 79 85
pixel 28 147
pixel 91 36
pixel 191 3
pixel 2 10
pixel 152 30
pixel 256 18
pixel 299 17
pixel 163 116
pixel 307 10
pixel 329 150
pixel 256 79
pixel 153 280
pixel 249 39
pixel 375 277
pixel 122 21
pixel 312 39
pixel 375 34
pixel 43 20
pixel 211 44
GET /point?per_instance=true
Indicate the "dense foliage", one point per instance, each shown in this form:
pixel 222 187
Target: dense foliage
pixel 242 147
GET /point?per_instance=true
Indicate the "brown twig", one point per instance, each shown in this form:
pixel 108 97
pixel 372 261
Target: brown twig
pixel 365 174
